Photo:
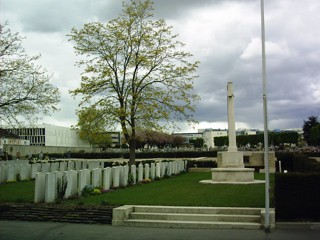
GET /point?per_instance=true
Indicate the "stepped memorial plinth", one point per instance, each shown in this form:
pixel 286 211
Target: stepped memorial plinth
pixel 232 170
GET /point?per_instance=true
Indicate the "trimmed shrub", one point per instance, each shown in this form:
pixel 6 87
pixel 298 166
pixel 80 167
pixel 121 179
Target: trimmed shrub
pixel 297 196
pixel 297 162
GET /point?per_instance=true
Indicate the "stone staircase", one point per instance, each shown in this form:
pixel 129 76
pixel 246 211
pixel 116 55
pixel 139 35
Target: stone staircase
pixel 190 217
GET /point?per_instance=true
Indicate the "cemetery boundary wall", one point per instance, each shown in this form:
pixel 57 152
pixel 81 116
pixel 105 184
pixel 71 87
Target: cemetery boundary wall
pixel 56 213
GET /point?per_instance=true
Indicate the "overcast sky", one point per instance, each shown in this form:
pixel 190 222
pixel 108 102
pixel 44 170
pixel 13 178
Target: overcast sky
pixel 224 35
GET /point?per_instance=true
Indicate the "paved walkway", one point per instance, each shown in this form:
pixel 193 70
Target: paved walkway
pixel 16 230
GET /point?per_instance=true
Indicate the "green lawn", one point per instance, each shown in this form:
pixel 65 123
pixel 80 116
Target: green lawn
pixel 17 192
pixel 182 190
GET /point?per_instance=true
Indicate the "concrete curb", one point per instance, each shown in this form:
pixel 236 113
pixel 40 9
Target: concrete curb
pixel 298 225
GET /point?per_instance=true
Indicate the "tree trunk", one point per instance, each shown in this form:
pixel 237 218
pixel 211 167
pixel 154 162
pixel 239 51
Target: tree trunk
pixel 132 151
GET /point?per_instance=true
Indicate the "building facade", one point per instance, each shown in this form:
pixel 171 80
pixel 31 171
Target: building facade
pixel 7 137
pixel 209 135
pixel 49 135
pixel 56 136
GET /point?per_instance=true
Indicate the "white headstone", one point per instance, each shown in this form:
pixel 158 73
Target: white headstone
pixel 170 168
pixel 115 177
pixel 88 178
pixel 70 165
pixel 121 173
pixel 163 169
pixel 152 171
pixel 50 187
pixel 146 171
pixel 62 166
pixel 74 175
pixel 140 172
pixel 82 181
pixel 106 183
pixel 29 171
pixel 38 167
pixel 78 165
pixel 45 167
pixel 33 171
pixel 126 174
pixel 39 189
pixel 96 177
pixel 72 185
pixel 158 170
pixel 11 173
pixel 17 170
pixel 4 173
pixel 23 172
pixel 54 166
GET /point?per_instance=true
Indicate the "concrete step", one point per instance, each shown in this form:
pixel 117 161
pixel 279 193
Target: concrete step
pixel 190 217
pixel 195 217
pixel 198 210
pixel 190 224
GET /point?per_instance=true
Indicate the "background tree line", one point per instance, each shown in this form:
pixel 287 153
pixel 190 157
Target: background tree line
pixel 150 139
pixel 275 139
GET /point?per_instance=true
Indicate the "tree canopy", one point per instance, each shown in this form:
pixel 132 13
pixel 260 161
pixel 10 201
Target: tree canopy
pixel 136 72
pixel 308 124
pixel 92 128
pixel 26 91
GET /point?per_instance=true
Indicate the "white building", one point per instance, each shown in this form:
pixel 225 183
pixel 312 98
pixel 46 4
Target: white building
pixel 189 136
pixel 209 134
pixel 49 135
pixel 8 138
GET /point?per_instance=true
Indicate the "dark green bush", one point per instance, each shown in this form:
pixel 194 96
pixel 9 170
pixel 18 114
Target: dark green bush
pixel 297 162
pixel 297 196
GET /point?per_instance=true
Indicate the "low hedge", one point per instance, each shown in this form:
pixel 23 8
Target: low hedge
pixel 88 155
pixel 297 196
pixel 139 155
pixel 173 154
pixel 201 164
pixel 297 162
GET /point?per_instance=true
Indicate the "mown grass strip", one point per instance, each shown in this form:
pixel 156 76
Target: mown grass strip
pixel 182 190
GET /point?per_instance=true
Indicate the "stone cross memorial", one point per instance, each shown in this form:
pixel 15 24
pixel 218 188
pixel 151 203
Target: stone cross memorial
pixel 232 170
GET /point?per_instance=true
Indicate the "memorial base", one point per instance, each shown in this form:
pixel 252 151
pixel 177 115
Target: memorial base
pixel 232 176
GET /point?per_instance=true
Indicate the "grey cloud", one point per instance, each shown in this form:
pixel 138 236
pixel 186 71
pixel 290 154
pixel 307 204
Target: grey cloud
pixel 293 77
pixel 61 15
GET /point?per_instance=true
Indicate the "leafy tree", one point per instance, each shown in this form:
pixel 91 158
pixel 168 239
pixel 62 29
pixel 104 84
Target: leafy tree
pixel 92 128
pixel 311 122
pixel 137 72
pixel 177 140
pixel 198 142
pixel 25 89
pixel 315 135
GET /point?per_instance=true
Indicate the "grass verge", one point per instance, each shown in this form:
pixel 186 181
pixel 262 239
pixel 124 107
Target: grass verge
pixel 17 192
pixel 182 190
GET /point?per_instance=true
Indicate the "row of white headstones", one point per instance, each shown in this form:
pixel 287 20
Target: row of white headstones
pixel 93 174
pixel 11 170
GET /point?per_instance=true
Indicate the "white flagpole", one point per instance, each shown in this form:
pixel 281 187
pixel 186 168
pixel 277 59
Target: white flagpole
pixel 265 118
